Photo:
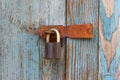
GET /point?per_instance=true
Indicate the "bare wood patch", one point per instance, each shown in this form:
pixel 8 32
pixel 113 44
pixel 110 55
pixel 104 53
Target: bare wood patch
pixel 109 7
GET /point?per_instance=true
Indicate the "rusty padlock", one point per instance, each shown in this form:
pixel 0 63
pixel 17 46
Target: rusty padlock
pixel 53 49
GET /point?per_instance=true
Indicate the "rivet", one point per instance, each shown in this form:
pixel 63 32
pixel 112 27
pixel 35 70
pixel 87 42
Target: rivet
pixel 89 31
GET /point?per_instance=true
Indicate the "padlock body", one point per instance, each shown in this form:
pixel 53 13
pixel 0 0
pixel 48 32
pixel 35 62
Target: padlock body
pixel 53 50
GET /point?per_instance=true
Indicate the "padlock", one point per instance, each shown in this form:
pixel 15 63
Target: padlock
pixel 53 49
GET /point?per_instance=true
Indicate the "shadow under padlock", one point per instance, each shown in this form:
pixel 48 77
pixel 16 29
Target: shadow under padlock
pixel 53 44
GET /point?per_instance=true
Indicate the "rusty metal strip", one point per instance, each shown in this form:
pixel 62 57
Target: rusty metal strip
pixel 71 31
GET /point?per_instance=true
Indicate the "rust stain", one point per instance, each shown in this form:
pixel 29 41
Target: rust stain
pixel 29 57
pixel 68 10
pixel 74 58
pixel 87 71
pixel 82 1
pixel 85 75
pixel 72 13
pixel 100 69
pixel 85 64
pixel 30 19
pixel 15 21
pixel 46 76
pixel 38 21
pixel 21 63
pixel 18 24
pixel 72 6
pixel 68 61
pixel 78 7
pixel 45 61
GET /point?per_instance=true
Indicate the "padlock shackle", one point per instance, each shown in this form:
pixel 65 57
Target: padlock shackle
pixel 53 30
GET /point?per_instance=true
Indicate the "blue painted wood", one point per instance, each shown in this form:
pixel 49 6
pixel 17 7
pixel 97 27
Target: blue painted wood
pixel 21 51
pixel 52 12
pixel 82 55
pixel 109 41
pixel 19 48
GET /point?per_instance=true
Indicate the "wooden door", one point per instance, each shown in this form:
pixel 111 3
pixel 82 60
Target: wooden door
pixel 82 54
pixel 22 51
pixel 109 40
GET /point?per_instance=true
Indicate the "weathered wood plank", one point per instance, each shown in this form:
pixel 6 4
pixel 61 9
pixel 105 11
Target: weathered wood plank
pixel 109 40
pixel 18 48
pixel 82 55
pixel 21 51
pixel 52 12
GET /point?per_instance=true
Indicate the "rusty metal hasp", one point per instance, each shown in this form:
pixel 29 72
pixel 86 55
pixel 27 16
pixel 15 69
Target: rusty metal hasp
pixel 70 31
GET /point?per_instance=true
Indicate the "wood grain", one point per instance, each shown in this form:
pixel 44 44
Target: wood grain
pixel 117 74
pixel 109 45
pixel 52 12
pixel 108 9
pixel 82 55
pixel 21 51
